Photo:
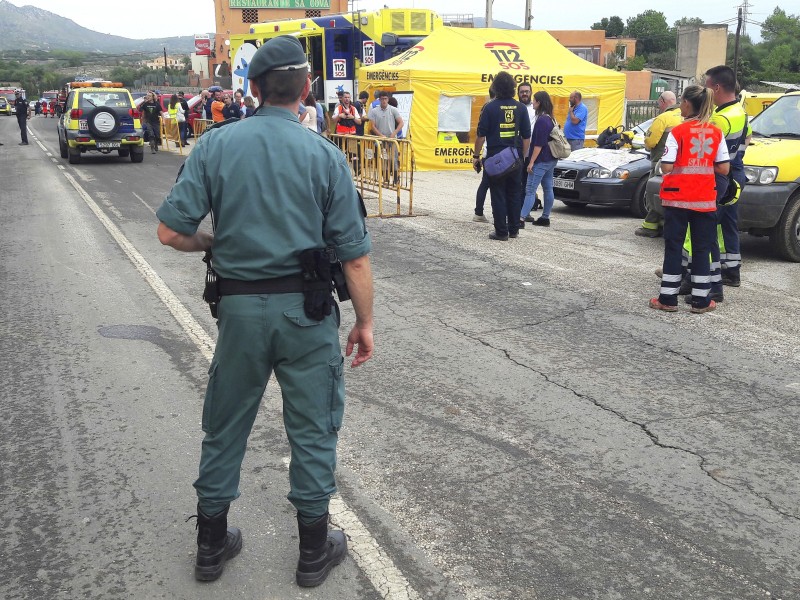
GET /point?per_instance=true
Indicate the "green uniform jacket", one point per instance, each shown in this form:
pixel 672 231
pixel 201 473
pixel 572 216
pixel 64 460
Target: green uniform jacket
pixel 276 189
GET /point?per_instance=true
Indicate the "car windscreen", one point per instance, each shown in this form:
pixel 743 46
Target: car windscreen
pixel 781 118
pixel 90 100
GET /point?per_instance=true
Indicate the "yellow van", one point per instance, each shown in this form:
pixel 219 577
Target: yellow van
pixel 756 102
pixel 770 202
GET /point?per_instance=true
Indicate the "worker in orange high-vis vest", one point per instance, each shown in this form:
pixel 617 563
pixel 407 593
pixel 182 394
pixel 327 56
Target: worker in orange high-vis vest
pixel 695 151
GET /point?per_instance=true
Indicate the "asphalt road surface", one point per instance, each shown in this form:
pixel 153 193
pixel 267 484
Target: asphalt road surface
pixel 528 428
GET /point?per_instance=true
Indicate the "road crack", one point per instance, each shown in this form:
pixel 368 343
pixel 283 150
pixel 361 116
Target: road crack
pixel 644 427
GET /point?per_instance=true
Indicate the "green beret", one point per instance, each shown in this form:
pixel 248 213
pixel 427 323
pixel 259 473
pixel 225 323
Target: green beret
pixel 282 53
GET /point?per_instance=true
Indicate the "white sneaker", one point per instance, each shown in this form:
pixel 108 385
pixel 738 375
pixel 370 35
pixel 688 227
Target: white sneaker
pixel 480 219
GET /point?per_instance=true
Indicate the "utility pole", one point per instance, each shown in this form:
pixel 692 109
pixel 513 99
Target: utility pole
pixel 528 24
pixel 736 51
pixel 166 72
pixel 489 13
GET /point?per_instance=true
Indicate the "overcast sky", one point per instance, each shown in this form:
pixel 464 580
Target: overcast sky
pixel 157 18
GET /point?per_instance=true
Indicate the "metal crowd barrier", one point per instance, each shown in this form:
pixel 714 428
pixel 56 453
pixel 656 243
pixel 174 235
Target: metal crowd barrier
pixel 199 126
pixel 170 132
pixel 383 166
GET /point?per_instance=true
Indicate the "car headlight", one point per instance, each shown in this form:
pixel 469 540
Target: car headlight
pixel 599 173
pixel 621 173
pixel 761 175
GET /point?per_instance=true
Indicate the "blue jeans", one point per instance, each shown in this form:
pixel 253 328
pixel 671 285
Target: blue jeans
pixel 542 173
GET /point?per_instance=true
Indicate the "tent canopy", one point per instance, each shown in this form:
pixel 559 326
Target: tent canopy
pixel 450 71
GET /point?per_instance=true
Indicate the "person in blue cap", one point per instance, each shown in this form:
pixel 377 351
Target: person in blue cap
pixel 275 314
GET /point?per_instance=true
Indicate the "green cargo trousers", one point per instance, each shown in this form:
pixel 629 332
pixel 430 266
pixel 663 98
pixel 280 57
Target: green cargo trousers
pixel 259 333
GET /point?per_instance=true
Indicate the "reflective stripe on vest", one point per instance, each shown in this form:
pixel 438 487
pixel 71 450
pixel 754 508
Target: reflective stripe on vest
pixel 731 118
pixel 691 184
pixel 693 170
pixel 700 206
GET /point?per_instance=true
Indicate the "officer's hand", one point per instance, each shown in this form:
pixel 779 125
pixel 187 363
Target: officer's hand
pixel 361 337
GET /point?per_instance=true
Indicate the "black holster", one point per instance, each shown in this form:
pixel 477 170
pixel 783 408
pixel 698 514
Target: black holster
pixel 317 283
pixel 211 292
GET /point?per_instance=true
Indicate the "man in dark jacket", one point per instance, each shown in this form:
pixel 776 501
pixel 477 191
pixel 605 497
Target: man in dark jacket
pixel 23 112
pixel 502 124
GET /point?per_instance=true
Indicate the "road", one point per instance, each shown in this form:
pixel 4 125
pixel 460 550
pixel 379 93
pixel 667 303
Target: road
pixel 528 428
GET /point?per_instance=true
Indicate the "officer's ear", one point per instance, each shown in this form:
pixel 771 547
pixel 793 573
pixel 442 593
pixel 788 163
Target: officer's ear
pixel 255 91
pixel 306 88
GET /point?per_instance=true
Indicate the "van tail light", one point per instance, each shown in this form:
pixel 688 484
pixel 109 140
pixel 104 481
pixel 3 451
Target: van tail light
pixel 75 113
pixel 134 113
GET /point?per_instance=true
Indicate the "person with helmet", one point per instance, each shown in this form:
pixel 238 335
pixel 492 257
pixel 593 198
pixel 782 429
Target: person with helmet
pixel 273 300
pixel 694 154
pixel 23 111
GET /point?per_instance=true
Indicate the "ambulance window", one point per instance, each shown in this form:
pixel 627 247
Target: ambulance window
pixel 340 43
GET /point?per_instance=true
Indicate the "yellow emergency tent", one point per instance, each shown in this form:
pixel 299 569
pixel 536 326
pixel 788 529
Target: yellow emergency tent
pixel 443 82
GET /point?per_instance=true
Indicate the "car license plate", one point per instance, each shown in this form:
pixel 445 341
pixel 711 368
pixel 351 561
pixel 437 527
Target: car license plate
pixel 108 144
pixel 566 184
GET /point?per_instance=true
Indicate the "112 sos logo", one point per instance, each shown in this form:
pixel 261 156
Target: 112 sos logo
pixel 507 56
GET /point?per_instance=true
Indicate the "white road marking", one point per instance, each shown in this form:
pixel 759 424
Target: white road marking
pixel 184 318
pixel 139 198
pixel 379 568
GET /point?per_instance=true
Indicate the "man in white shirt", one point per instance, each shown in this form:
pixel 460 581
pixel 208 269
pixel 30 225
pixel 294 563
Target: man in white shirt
pixel 386 121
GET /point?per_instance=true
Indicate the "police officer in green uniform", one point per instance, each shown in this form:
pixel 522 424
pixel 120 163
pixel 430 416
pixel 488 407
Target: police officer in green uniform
pixel 265 216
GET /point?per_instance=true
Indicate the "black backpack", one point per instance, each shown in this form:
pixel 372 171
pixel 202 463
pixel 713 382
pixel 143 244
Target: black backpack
pixel 611 138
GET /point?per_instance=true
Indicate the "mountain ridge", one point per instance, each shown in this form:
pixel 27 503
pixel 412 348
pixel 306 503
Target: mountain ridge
pixel 31 28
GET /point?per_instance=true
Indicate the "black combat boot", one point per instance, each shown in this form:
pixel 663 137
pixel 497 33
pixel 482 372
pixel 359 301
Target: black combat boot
pixel 320 551
pixel 216 543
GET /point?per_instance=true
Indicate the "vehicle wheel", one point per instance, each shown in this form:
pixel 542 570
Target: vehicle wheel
pixel 103 122
pixel 785 236
pixel 137 155
pixel 638 207
pixel 124 152
pixel 63 148
pixel 572 204
pixel 74 156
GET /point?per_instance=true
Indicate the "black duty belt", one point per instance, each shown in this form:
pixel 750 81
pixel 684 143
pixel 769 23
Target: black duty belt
pixel 278 285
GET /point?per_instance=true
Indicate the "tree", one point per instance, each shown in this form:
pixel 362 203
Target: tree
pixel 651 32
pixel 612 26
pixel 779 26
pixel 689 21
pixel 782 59
pixel 636 63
